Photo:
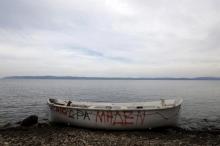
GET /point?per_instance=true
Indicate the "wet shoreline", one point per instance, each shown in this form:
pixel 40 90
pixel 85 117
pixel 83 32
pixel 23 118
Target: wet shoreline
pixel 54 134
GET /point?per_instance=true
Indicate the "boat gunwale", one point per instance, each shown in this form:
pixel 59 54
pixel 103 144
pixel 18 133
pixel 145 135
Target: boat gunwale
pixel 102 109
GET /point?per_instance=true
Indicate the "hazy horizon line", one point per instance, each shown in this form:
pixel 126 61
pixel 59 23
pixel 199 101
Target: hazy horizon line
pixel 111 78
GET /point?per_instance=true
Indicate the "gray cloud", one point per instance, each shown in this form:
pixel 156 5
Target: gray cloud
pixel 110 38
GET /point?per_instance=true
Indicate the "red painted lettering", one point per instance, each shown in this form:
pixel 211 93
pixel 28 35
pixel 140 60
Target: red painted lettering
pixel 128 117
pixel 100 115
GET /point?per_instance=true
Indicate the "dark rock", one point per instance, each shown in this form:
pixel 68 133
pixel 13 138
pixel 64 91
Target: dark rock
pixel 30 121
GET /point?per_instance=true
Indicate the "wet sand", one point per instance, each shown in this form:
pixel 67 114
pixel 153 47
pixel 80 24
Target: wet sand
pixel 59 135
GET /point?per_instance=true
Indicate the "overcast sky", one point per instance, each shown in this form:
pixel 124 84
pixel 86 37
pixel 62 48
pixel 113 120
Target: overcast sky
pixel 117 38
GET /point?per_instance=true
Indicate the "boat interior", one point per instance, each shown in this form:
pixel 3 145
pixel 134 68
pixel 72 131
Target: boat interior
pixel 161 104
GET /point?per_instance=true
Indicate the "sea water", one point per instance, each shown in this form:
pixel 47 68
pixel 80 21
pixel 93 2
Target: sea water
pixel 200 110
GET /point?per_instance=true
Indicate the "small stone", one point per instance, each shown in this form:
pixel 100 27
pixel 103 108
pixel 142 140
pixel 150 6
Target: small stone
pixel 6 144
pixel 66 141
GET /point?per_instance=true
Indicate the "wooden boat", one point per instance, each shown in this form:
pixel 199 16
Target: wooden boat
pixel 117 116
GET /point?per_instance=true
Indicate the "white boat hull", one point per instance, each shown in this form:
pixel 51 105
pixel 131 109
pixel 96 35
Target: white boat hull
pixel 114 119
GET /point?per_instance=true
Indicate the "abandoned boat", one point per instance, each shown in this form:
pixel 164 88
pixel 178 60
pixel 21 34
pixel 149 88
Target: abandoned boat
pixel 115 116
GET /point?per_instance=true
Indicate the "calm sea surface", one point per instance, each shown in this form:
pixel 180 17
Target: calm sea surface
pixel 200 110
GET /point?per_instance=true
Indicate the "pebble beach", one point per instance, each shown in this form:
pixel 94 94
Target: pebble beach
pixel 46 134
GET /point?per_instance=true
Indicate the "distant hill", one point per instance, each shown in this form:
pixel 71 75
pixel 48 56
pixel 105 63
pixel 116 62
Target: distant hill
pixel 107 78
